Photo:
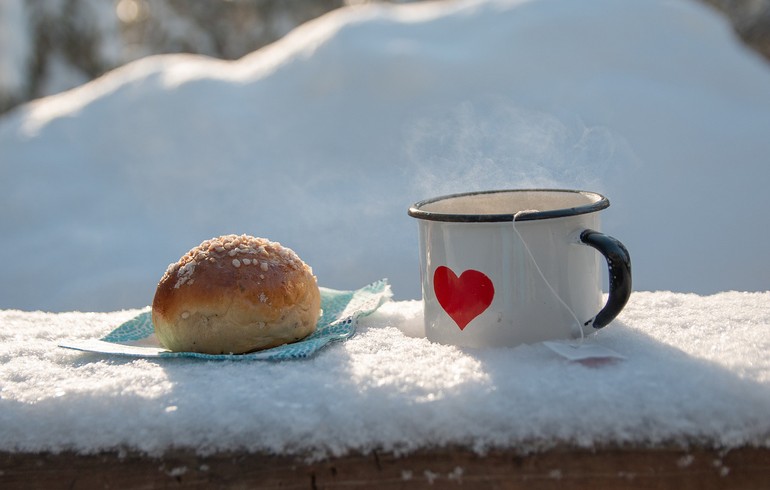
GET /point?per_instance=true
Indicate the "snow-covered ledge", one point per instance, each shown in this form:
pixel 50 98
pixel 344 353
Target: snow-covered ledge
pixel 694 390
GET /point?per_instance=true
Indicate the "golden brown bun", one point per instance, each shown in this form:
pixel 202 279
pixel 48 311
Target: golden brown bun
pixel 235 294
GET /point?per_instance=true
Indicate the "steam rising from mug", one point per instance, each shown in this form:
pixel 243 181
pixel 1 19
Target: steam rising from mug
pixel 491 143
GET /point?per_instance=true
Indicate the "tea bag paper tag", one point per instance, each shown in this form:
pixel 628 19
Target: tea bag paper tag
pixel 584 352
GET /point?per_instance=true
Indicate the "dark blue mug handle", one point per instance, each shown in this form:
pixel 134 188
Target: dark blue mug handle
pixel 619 264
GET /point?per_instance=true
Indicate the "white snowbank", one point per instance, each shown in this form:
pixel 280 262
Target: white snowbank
pixel 697 372
pixel 324 139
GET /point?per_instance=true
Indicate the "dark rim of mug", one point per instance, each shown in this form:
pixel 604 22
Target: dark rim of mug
pixel 416 212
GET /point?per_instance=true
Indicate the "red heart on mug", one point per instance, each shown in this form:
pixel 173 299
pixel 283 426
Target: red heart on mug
pixel 465 297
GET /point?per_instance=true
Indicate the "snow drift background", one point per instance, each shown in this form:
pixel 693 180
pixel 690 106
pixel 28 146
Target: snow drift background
pixel 322 140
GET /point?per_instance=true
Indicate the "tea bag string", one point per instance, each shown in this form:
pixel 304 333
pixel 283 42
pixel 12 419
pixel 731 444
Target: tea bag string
pixel 539 271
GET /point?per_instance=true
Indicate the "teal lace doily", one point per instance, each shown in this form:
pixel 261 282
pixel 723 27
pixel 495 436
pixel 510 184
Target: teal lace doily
pixel 341 311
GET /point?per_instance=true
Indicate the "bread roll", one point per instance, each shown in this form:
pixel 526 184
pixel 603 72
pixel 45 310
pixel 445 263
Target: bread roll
pixel 235 294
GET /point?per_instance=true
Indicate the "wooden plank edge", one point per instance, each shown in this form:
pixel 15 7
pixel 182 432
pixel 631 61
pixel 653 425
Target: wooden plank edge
pixel 562 469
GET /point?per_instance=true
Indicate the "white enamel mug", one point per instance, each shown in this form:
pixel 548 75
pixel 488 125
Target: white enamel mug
pixel 508 267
